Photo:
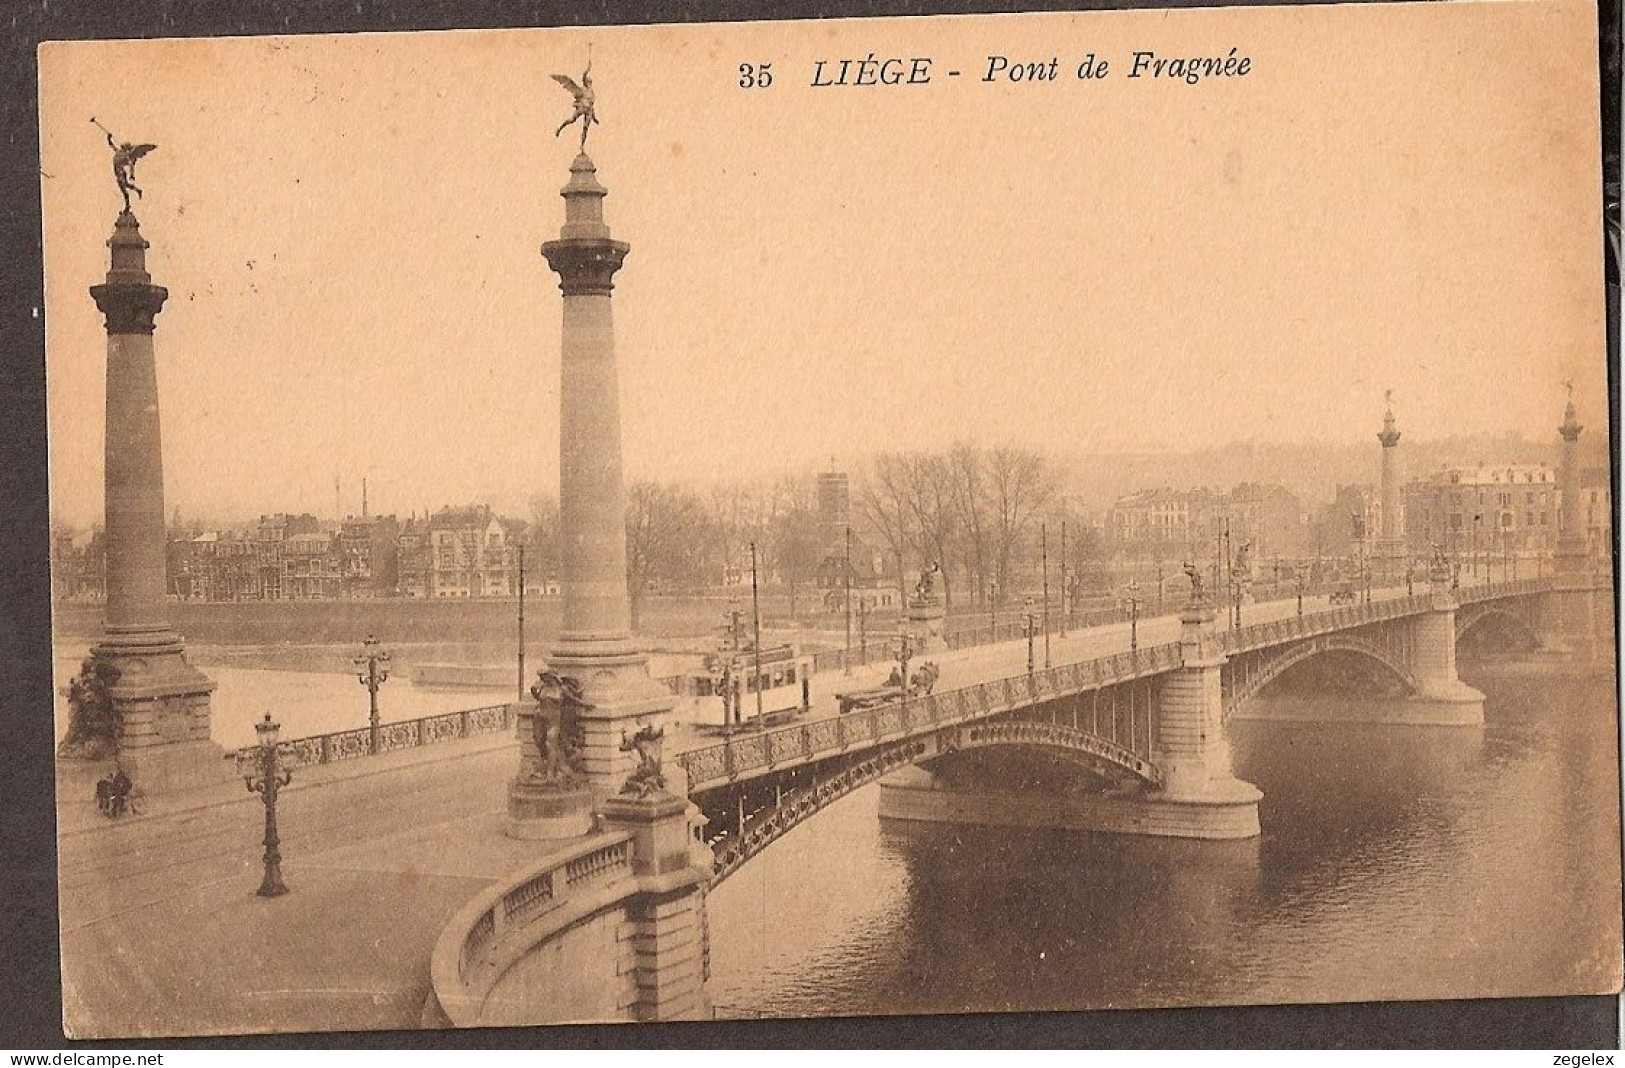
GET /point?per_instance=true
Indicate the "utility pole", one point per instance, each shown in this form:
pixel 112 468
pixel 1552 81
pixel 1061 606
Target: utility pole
pixel 1064 609
pixel 756 628
pixel 521 622
pixel 846 659
pixel 1043 552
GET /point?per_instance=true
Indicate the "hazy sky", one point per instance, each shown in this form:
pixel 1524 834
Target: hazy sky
pixel 1395 196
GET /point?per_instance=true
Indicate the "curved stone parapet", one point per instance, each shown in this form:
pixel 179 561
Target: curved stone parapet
pixel 526 950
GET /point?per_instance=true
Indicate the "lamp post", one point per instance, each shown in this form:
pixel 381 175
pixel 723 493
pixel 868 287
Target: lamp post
pixel 1134 616
pixel 1299 578
pixel 1064 588
pixel 756 636
pixel 905 653
pixel 846 660
pixel 993 610
pixel 1031 631
pixel 730 700
pixel 1043 543
pixel 372 671
pixel 863 630
pixel 521 697
pixel 266 781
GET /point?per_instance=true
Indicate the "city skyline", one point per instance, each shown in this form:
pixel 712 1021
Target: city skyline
pixel 1273 312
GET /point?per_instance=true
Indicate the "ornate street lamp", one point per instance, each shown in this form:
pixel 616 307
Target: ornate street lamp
pixel 266 781
pixel 905 653
pixel 372 671
pixel 1134 616
pixel 1031 630
pixel 1299 578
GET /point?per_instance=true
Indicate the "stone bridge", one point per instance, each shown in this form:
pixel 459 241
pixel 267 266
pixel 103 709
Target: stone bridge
pixel 1149 723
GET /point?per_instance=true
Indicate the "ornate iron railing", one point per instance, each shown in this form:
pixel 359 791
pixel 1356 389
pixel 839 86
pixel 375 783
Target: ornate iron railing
pixel 899 719
pixel 405 734
pixel 1491 590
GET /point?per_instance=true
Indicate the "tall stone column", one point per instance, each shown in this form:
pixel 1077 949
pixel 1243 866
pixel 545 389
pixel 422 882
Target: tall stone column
pixel 1572 608
pixel 1391 535
pixel 1571 535
pixel 595 645
pixel 162 700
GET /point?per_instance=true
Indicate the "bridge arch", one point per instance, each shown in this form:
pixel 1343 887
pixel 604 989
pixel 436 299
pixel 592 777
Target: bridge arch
pixel 1249 675
pixel 1471 617
pixel 801 804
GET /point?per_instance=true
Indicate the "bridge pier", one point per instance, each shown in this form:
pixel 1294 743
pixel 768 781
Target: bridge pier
pixel 1441 698
pixel 1200 796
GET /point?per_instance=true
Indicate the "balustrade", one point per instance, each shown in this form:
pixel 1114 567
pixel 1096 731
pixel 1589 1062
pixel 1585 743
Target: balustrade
pixel 352 744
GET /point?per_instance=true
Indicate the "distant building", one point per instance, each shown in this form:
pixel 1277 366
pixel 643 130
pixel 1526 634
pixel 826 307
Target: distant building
pixel 369 556
pixel 461 552
pixel 78 568
pixel 1170 524
pixel 871 586
pixel 1596 495
pixel 1490 509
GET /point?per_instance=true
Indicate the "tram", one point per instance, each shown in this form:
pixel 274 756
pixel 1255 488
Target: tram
pixel 725 689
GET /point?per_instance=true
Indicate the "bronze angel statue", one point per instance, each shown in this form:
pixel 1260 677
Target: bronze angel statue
pixel 584 103
pixel 125 156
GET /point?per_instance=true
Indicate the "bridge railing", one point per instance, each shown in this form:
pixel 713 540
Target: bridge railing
pixel 351 744
pixel 1275 631
pixel 710 766
pixel 1492 590
pixel 523 910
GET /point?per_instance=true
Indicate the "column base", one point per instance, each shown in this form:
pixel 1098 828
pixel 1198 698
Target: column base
pixel 1224 810
pixel 177 766
pixel 536 815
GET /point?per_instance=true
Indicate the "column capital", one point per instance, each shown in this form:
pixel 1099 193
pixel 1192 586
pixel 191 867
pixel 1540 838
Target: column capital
pixel 130 307
pixel 585 266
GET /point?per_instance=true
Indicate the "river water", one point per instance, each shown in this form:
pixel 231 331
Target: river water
pixel 305 703
pixel 1395 863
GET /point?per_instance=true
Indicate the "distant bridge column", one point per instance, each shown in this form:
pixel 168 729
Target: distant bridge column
pixel 1391 534
pixel 1200 796
pixel 1441 697
pixel 1571 611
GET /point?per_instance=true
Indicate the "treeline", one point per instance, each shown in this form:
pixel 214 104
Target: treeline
pixel 976 510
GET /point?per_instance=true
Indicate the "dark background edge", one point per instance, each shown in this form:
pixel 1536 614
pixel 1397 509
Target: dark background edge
pixel 30 980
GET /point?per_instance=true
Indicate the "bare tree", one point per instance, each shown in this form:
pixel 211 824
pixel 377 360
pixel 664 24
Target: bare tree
pixel 930 486
pixel 883 504
pixel 967 467
pixel 665 535
pixel 1019 484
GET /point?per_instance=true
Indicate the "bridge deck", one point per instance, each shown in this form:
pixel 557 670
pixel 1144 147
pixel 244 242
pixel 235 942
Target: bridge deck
pixel 986 681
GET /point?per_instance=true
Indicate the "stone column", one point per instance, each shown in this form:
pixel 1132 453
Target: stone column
pixel 1571 535
pixel 1571 608
pixel 595 646
pixel 163 700
pixel 1391 535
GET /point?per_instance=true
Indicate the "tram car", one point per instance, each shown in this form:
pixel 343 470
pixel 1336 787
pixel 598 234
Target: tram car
pixel 783 682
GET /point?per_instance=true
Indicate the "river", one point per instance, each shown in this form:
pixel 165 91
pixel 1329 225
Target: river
pixel 1395 862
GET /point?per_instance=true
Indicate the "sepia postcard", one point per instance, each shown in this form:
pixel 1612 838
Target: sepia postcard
pixel 831 518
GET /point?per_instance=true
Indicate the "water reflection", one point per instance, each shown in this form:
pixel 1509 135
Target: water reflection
pixel 1395 862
